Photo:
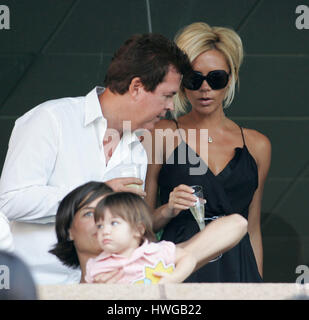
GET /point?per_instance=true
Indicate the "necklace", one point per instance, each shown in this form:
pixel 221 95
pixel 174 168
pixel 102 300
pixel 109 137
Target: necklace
pixel 209 139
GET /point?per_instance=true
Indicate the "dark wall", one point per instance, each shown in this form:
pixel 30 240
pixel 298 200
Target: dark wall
pixel 57 48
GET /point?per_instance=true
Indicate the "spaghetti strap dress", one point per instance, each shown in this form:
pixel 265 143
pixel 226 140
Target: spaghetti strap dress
pixel 230 191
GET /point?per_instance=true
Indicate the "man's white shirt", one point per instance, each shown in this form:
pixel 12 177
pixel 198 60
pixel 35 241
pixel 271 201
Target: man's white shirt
pixel 6 238
pixel 54 148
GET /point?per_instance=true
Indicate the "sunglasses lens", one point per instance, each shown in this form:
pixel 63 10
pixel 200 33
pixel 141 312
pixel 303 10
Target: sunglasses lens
pixel 193 81
pixel 217 79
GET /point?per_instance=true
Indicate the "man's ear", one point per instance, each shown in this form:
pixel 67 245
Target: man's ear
pixel 136 87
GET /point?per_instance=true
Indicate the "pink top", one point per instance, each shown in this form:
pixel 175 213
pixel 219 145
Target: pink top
pixel 137 268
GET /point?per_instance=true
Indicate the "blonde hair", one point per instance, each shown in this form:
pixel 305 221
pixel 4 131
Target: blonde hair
pixel 199 37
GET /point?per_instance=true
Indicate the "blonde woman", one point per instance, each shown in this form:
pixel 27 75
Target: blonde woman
pixel 234 161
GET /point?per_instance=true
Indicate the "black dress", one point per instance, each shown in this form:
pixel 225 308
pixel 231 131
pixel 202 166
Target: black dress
pixel 230 191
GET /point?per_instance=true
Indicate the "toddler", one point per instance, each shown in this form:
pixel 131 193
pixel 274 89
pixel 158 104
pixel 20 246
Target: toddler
pixel 124 231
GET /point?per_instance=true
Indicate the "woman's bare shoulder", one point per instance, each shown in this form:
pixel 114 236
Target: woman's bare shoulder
pixel 256 138
pixel 258 143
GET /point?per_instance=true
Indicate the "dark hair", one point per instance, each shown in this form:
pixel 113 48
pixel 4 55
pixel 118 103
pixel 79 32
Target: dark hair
pixel 147 56
pixel 64 249
pixel 130 207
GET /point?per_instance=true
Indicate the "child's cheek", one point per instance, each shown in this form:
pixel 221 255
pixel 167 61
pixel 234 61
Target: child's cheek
pixel 99 236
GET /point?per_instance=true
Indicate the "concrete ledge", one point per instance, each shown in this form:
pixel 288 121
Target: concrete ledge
pixel 205 291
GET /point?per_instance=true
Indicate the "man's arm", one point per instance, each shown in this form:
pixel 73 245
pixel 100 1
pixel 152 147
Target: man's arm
pixel 24 190
pixel 6 238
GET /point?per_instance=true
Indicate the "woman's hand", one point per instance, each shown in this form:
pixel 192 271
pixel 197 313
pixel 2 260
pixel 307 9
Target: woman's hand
pixel 181 198
pixel 166 277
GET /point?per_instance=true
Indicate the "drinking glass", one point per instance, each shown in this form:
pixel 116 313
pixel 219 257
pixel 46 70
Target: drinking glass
pixel 131 170
pixel 198 210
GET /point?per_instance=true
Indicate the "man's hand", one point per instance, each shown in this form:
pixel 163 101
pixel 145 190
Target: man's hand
pixel 130 184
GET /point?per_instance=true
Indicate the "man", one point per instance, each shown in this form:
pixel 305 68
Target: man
pixel 64 143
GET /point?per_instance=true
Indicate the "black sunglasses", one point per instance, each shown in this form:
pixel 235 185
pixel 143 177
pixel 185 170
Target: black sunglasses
pixel 217 79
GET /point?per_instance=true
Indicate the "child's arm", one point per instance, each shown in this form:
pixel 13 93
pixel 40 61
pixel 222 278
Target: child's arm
pixel 185 265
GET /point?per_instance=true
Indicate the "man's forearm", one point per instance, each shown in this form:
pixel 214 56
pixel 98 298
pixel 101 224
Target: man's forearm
pixel 31 203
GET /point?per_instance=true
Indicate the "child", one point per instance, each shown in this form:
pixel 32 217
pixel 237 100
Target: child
pixel 124 231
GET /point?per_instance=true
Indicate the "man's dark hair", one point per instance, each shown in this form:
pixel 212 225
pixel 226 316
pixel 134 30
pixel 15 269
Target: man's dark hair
pixel 64 249
pixel 147 56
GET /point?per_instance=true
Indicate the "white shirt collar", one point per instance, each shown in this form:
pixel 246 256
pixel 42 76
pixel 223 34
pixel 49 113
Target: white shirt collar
pixel 93 109
pixel 130 137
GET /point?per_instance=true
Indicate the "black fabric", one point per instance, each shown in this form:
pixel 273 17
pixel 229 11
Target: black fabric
pixel 230 191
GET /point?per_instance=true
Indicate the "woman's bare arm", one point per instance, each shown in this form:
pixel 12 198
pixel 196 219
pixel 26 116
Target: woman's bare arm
pixel 218 236
pixel 260 147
